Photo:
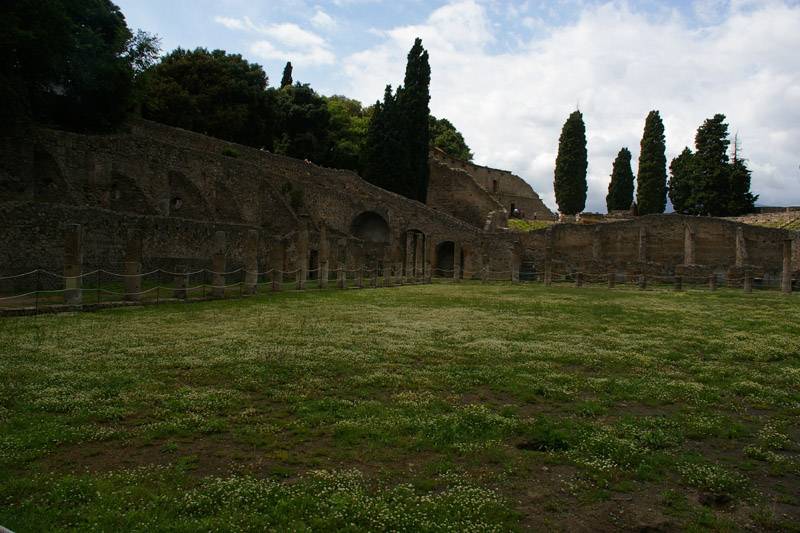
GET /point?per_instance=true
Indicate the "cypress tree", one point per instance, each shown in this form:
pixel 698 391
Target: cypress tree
pixel 620 189
pixel 651 183
pixel 569 182
pixel 681 183
pixel 286 79
pixel 712 169
pixel 385 151
pixel 415 119
pixel 741 201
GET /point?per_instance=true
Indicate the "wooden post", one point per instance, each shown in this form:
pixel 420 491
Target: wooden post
pixel 612 279
pixel 678 283
pixel 181 282
pixel 579 279
pixel 712 282
pixel 73 264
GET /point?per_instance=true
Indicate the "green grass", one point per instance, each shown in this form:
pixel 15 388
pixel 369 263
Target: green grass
pixel 522 225
pixel 460 407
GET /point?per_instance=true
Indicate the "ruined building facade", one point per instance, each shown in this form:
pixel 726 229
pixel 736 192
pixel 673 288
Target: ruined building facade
pixel 162 197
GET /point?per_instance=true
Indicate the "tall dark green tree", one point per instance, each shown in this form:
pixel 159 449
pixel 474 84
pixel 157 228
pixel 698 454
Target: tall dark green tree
pixel 386 161
pixel 651 182
pixel 286 79
pixel 620 189
pixel 301 124
pixel 414 99
pixel 681 186
pixel 396 149
pixel 211 92
pixel 708 182
pixel 569 181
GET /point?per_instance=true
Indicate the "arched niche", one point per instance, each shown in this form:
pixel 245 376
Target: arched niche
pixel 370 227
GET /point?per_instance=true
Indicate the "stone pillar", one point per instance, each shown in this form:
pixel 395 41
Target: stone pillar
pixel 399 273
pixel 419 257
pixel 276 266
pixel 73 263
pixel 688 245
pixel 429 258
pixel 387 270
pixel 409 264
pixel 324 256
pixel 218 266
pixel 642 244
pixel 748 281
pixel 712 282
pixel 181 282
pixel 597 247
pixel 514 264
pixel 612 279
pixel 251 262
pixel 579 279
pixel 786 274
pixel 548 273
pixel 341 280
pixel 456 261
pixel 302 254
pixel 133 266
pixel 678 283
pixel 642 281
pixel 741 248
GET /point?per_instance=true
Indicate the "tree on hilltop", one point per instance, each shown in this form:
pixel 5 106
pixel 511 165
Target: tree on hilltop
pixel 569 181
pixel 286 79
pixel 651 182
pixel 620 189
pixel 447 138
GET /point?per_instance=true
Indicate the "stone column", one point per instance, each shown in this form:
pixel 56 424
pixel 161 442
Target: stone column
pixel 302 254
pixel 712 282
pixel 748 281
pixel 341 280
pixel 419 257
pixel 409 264
pixel 688 245
pixel 398 272
pixel 251 262
pixel 181 282
pixel 786 274
pixel 429 258
pixel 324 256
pixel 456 261
pixel 579 279
pixel 133 266
pixel 218 266
pixel 612 279
pixel 741 247
pixel 73 263
pixel 387 269
pixel 642 281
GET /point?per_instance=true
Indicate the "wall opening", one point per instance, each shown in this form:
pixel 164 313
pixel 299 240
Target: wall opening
pixel 370 227
pixel 494 186
pixel 444 259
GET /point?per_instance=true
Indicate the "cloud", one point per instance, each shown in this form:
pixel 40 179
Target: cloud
pixel 616 64
pixel 323 21
pixel 293 42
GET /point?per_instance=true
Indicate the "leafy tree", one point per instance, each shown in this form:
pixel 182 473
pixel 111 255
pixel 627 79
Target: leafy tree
pixel 571 164
pixel 620 189
pixel 286 79
pixel 680 182
pixel 651 189
pixel 347 131
pixel 215 93
pixel 68 62
pixel 447 138
pixel 707 182
pixel 301 123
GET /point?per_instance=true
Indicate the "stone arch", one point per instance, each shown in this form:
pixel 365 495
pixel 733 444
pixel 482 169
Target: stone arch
pixel 185 198
pixel 371 227
pixel 49 184
pixel 126 195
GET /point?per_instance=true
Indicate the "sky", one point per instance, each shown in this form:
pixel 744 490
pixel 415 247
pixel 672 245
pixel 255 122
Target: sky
pixel 508 73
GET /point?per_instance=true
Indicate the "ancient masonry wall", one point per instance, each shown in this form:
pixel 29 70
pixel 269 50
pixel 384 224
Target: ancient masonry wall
pixel 456 192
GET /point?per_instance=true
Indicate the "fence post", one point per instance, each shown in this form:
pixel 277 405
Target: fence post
pixel 748 281
pixel 387 273
pixel 612 279
pixel 218 266
pixel 712 282
pixel 678 283
pixel 786 274
pixel 250 262
pixel 360 275
pixel 36 294
pixel 181 282
pixel 375 277
pixel 642 281
pixel 579 279
pixel 548 274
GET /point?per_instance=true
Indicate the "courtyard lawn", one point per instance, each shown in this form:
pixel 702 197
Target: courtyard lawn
pixel 440 407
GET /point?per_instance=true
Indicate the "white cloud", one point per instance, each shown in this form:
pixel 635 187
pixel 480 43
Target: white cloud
pixel 294 43
pixel 616 64
pixel 323 21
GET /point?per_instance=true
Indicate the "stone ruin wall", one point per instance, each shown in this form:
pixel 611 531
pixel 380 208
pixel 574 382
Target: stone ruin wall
pixel 456 192
pixel 662 245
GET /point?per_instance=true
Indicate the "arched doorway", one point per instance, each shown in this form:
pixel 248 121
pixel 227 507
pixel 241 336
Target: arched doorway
pixel 369 226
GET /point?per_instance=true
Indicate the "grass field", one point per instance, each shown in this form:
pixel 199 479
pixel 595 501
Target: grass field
pixel 440 407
